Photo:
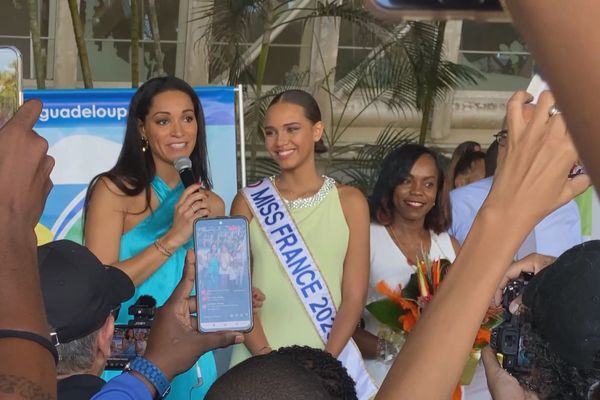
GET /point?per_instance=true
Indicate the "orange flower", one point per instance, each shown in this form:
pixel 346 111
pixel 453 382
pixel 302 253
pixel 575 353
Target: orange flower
pixel 457 395
pixel 408 319
pixel 483 338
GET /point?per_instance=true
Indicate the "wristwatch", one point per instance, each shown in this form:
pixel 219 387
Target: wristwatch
pixel 152 373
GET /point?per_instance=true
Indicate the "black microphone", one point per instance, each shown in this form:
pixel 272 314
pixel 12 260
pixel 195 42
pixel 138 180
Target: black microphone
pixel 183 165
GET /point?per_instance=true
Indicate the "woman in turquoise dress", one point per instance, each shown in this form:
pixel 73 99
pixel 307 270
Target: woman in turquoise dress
pixel 138 215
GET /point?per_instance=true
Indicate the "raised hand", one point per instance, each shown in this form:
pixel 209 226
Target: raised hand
pixel 25 167
pixel 535 173
pixel 175 343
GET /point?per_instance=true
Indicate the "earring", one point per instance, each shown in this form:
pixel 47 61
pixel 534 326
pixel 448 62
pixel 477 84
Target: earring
pixel 145 144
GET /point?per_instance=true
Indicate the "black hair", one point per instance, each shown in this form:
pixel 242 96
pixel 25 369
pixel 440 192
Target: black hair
pixel 460 150
pixel 308 103
pixel 268 377
pixel 135 169
pixel 395 169
pixel 552 378
pixel 465 163
pixel 331 372
pixel 465 147
pixel 491 159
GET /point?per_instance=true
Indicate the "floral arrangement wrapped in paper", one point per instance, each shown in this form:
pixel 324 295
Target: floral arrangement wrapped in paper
pixel 401 308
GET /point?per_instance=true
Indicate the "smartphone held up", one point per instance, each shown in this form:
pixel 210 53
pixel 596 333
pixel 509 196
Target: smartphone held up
pixel 537 85
pixel 399 10
pixel 11 96
pixel 223 285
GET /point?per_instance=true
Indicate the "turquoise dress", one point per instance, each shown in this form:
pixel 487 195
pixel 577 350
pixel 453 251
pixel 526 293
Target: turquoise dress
pixel 163 281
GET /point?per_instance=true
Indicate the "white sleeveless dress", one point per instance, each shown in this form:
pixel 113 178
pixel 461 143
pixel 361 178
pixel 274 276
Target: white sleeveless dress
pixel 390 265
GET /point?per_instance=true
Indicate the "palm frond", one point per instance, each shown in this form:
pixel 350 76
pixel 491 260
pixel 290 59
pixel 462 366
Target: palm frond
pixel 363 167
pixel 227 27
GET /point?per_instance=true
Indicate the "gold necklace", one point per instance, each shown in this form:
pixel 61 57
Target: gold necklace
pixel 392 231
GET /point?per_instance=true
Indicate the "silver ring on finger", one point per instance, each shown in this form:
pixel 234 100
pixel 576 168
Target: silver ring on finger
pixel 553 111
pixel 193 209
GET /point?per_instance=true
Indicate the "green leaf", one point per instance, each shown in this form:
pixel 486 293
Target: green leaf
pixel 387 312
pixel 362 168
pixel 411 291
pixel 445 267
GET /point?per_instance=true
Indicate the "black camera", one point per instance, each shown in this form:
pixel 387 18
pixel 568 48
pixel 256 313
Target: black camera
pixel 508 338
pixel 129 341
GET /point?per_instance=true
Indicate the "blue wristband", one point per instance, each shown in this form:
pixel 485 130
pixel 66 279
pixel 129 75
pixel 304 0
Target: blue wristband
pixel 152 373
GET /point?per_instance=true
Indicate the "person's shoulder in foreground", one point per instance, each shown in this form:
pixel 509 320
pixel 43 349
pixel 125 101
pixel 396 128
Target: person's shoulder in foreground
pixel 124 387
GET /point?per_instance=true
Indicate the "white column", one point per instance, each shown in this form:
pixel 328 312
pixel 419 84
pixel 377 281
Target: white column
pixel 324 52
pixel 193 54
pixel 65 48
pixel 442 115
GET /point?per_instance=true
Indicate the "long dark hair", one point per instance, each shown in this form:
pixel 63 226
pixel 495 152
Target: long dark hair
pixel 552 377
pixel 395 169
pixel 135 169
pixel 312 112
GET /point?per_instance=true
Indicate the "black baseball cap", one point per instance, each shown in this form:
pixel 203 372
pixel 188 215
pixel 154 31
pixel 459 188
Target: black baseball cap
pixel 79 291
pixel 564 304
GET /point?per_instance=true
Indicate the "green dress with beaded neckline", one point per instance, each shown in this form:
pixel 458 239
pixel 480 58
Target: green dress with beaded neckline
pixel 321 221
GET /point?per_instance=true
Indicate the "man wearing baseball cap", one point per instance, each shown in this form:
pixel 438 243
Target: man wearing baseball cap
pixel 81 296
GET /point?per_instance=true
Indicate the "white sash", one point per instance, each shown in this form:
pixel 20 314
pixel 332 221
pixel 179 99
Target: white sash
pixel 304 274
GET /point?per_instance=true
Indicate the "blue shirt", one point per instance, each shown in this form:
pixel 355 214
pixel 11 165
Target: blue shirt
pixel 555 234
pixel 124 387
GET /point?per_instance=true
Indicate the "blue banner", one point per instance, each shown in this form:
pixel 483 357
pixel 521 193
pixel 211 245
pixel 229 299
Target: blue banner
pixel 85 129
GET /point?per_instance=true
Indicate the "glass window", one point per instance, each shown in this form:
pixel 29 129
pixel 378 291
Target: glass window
pixel 107 32
pixel 284 51
pixel 355 44
pixel 14 31
pixel 497 51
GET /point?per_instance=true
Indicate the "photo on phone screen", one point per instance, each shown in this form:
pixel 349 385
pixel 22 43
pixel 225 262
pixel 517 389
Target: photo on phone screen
pixel 10 82
pixel 223 287
pixel 128 342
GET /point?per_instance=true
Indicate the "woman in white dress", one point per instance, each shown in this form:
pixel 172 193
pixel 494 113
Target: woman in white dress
pixel 410 216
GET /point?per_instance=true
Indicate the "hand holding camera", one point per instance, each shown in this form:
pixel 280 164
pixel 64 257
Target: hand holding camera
pixel 532 264
pixel 507 339
pixel 501 384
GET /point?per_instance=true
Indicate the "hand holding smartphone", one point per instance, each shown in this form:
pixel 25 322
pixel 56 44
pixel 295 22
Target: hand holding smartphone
pixel 535 88
pixel 223 284
pixel 11 94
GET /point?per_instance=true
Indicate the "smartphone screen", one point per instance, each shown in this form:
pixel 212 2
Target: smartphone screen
pixel 127 343
pixel 401 10
pixel 223 287
pixel 10 82
pixel 479 5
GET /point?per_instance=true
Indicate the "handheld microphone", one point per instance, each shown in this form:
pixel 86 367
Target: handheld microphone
pixel 183 165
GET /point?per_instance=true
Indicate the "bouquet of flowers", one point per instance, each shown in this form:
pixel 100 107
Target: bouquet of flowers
pixel 401 308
